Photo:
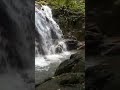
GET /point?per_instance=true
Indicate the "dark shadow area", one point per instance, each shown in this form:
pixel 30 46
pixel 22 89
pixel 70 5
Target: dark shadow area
pixel 102 44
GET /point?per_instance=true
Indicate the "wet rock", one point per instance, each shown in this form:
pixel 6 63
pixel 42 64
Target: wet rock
pixel 59 49
pixel 71 44
pixel 74 63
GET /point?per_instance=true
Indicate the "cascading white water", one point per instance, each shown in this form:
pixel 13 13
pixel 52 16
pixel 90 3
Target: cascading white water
pixel 49 31
pixel 49 37
pixel 50 47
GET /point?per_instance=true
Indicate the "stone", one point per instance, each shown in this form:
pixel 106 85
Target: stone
pixel 75 62
pixel 71 44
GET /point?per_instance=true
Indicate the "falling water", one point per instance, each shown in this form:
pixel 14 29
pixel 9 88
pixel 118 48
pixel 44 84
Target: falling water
pixel 49 40
pixel 49 31
pixel 50 47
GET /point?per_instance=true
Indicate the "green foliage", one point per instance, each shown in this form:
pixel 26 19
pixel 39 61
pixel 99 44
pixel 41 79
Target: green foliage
pixel 76 5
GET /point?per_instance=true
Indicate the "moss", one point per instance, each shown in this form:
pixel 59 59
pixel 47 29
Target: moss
pixel 41 2
pixel 76 5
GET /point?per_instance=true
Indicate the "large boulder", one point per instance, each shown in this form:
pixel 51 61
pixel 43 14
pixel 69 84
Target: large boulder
pixel 76 63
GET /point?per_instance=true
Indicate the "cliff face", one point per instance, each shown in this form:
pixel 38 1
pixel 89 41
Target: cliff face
pixel 16 36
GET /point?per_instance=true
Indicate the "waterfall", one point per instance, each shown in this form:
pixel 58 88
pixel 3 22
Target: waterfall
pixel 49 39
pixel 49 42
pixel 50 47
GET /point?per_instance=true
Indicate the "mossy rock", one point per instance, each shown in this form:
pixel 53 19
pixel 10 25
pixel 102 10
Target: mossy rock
pixel 71 78
pixel 41 2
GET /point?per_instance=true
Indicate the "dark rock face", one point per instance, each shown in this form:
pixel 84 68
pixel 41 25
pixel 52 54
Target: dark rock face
pixel 16 35
pixel 69 65
pixel 71 44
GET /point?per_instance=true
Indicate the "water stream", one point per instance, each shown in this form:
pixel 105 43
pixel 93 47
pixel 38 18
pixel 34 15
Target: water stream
pixel 50 47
